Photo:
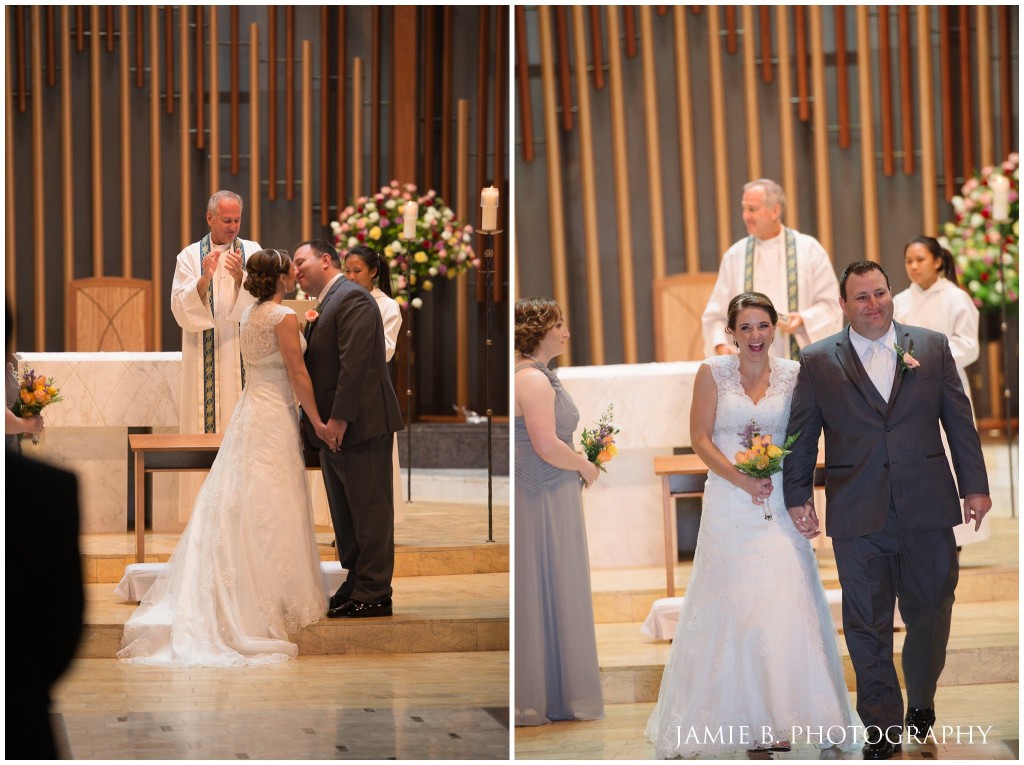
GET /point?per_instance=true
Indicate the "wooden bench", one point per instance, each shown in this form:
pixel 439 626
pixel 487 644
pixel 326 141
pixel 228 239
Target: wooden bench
pixel 692 472
pixel 173 452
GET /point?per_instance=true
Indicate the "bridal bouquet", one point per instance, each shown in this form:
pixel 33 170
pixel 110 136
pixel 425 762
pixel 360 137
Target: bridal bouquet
pixel 599 443
pixel 762 458
pixel 34 393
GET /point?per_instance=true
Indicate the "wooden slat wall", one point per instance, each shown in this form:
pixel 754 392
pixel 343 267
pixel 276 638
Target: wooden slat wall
pixel 9 213
pixel 38 206
pixel 214 104
pixel 155 178
pixel 185 137
pixel 821 139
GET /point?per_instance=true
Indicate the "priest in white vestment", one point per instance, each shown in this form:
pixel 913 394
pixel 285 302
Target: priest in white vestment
pixel 207 302
pixel 791 268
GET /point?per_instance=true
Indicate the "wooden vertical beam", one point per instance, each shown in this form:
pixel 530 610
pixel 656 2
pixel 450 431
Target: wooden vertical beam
pixel 906 91
pixel 731 36
pixel 325 121
pixel 885 91
pixel 800 22
pixel 596 45
pixel 482 99
pixel 306 222
pixel 403 110
pixel 462 208
pixel 200 80
pixel 108 30
pixel 51 47
pixel 629 24
pixel 140 60
pixel 946 86
pixel 127 197
pixel 375 179
pixel 867 136
pixel 498 141
pixel 591 247
pixel 79 29
pixel 687 152
pixel 820 116
pixel 623 199
pixel 524 103
pixel 929 174
pixel 342 109
pixel 19 56
pixel 155 178
pixel 357 127
pixel 787 139
pixel 67 167
pixel 986 107
pixel 967 113
pixel 39 180
pixel 654 184
pixel 564 76
pixel 234 129
pixel 10 254
pixel 723 209
pixel 169 58
pixel 272 102
pixel 255 196
pixel 289 102
pixel 842 78
pixel 214 104
pixel 430 15
pixel 1008 141
pixel 447 100
pixel 556 212
pixel 184 132
pixel 96 141
pixel 752 108
pixel 766 43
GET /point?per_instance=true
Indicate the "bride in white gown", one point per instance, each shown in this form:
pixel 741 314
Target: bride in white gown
pixel 246 572
pixel 754 660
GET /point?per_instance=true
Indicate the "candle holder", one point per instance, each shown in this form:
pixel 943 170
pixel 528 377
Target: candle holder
pixel 488 262
pixel 1008 359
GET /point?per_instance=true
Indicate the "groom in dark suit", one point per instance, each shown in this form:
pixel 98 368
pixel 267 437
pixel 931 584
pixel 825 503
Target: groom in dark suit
pixel 354 396
pixel 880 390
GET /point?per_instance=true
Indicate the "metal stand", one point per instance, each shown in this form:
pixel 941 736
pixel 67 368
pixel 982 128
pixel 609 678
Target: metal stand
pixel 408 370
pixel 488 371
pixel 1007 360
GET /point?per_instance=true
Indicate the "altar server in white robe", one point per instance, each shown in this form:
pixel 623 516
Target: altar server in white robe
pixel 791 268
pixel 207 303
pixel 936 301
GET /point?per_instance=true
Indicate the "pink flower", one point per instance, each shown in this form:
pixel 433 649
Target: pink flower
pixel 910 361
pixel 312 315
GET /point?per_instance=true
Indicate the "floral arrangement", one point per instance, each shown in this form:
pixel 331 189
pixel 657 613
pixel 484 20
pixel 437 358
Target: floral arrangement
pixel 977 242
pixel 599 443
pixel 34 393
pixel 441 248
pixel 906 358
pixel 762 458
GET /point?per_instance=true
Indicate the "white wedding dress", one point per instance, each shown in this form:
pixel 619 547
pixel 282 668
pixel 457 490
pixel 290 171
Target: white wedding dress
pixel 246 572
pixel 754 656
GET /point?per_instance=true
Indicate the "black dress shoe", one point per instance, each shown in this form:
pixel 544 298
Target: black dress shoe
pixel 881 749
pixel 920 721
pixel 337 599
pixel 357 609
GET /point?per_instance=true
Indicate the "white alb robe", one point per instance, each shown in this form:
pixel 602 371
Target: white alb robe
pixel 193 316
pixel 817 286
pixel 946 308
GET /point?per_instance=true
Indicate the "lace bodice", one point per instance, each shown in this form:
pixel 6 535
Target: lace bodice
pixel 258 337
pixel 735 410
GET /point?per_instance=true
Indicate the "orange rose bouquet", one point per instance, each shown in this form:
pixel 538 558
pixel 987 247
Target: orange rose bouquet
pixel 761 458
pixel 599 443
pixel 35 392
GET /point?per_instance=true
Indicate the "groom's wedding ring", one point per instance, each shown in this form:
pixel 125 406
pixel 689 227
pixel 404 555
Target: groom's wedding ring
pixel 801 520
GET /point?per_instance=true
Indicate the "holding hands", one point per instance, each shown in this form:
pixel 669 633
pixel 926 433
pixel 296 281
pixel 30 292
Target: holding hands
pixel 805 519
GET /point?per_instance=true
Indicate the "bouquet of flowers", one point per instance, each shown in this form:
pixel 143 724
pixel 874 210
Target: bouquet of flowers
pixel 34 393
pixel 762 458
pixel 441 248
pixel 599 443
pixel 978 243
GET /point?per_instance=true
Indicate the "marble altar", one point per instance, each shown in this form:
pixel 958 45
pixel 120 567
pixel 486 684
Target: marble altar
pixel 652 410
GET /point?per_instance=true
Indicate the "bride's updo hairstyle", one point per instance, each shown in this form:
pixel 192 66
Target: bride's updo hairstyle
pixel 534 318
pixel 751 300
pixel 262 270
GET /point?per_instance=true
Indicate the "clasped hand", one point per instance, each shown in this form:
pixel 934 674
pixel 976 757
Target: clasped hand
pixel 805 518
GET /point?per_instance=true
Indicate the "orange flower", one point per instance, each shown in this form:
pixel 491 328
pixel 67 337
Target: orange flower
pixel 27 397
pixel 607 440
pixel 604 456
pixel 39 383
pixel 42 396
pixel 762 461
pixel 739 457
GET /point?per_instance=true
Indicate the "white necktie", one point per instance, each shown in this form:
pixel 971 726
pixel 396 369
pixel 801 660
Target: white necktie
pixel 878 368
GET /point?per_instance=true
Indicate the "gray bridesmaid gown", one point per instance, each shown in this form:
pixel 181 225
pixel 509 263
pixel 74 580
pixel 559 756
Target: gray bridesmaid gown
pixel 557 676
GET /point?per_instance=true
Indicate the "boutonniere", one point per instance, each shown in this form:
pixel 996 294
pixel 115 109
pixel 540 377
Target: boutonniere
pixel 312 315
pixel 907 361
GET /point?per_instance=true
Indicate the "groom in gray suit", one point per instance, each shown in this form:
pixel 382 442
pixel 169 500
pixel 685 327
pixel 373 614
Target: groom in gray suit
pixel 880 390
pixel 354 396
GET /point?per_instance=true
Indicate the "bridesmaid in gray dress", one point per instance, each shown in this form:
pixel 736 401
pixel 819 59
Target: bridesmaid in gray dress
pixel 557 674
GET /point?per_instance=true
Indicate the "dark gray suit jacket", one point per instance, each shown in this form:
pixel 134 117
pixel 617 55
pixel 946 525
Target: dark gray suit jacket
pixel 876 450
pixel 345 360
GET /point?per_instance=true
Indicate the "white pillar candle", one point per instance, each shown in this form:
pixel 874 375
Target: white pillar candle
pixel 1000 186
pixel 410 213
pixel 489 209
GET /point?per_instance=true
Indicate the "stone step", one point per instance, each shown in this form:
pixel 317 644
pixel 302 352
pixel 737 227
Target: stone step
pixel 983 648
pixel 431 614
